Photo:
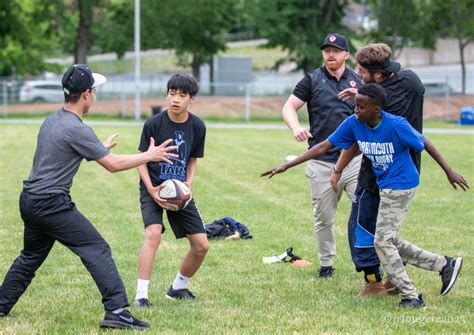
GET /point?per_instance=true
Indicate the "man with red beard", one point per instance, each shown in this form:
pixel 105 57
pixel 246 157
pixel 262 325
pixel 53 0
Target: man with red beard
pixel 319 90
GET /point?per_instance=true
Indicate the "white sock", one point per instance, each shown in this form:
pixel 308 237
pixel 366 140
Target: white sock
pixel 118 311
pixel 142 289
pixel 180 282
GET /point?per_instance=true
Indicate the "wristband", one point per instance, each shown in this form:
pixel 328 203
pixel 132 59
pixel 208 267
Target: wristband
pixel 336 170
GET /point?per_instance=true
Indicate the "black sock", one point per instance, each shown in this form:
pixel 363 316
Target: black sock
pixel 372 275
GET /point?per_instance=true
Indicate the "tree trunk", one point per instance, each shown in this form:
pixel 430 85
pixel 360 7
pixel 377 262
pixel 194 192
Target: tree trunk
pixel 84 35
pixel 212 88
pixel 196 64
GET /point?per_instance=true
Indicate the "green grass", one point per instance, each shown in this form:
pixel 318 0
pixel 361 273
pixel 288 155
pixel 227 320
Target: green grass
pixel 274 119
pixel 238 294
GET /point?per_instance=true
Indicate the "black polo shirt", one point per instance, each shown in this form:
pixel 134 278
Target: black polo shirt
pixel 319 89
pixel 404 98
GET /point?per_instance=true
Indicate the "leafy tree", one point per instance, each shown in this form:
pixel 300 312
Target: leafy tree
pixel 400 23
pixel 114 29
pixel 26 35
pixel 193 28
pixel 455 19
pixel 300 26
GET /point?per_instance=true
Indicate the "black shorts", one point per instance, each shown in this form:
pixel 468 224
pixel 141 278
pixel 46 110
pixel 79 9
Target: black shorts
pixel 187 221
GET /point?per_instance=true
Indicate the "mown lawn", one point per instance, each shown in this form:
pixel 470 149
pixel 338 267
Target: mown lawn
pixel 237 293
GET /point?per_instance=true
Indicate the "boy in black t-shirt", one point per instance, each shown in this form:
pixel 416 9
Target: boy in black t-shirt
pixel 188 133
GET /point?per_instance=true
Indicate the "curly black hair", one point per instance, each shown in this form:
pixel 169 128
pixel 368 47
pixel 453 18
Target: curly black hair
pixel 375 92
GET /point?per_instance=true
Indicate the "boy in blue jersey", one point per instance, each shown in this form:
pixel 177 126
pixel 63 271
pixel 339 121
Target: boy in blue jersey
pixel 385 139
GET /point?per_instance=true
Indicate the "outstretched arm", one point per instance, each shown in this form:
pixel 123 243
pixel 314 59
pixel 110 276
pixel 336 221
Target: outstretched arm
pixel 290 116
pixel 344 159
pixel 453 177
pixel 115 163
pixel 317 150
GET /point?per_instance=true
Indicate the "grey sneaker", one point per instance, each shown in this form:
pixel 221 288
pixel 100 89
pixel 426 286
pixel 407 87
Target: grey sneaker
pixel 412 303
pixel 142 303
pixel 182 294
pixel 450 273
pixel 123 320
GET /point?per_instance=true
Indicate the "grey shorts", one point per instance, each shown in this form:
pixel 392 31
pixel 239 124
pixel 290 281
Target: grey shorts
pixel 185 222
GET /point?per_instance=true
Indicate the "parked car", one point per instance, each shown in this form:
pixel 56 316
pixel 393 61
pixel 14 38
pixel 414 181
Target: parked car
pixel 41 91
pixel 437 87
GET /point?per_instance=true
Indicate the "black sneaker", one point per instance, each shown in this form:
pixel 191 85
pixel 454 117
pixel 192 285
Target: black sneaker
pixel 142 303
pixel 2 315
pixel 450 273
pixel 183 294
pixel 325 271
pixel 412 303
pixel 122 320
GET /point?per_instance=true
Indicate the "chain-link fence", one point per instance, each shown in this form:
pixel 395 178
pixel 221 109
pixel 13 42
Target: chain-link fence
pixel 261 98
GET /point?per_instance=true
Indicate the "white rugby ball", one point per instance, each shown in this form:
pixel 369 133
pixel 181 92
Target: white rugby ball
pixel 176 194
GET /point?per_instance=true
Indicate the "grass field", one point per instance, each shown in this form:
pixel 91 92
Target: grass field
pixel 237 293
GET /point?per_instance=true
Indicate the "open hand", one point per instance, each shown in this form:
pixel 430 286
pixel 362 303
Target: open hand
pixel 155 194
pixel 455 178
pixel 110 142
pixel 161 152
pixel 347 94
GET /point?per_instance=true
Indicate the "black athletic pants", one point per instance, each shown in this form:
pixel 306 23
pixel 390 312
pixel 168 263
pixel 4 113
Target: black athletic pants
pixel 47 220
pixel 361 229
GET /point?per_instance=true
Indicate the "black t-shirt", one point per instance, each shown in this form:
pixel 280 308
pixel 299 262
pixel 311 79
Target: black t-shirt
pixel 319 89
pixel 189 136
pixel 404 98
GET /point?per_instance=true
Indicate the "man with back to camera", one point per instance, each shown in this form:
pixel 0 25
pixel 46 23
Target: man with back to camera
pixel 319 89
pixel 46 207
pixel 404 98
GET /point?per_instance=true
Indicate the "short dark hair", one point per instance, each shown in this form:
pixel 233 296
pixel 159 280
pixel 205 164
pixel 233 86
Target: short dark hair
pixel 185 83
pixel 375 92
pixel 71 98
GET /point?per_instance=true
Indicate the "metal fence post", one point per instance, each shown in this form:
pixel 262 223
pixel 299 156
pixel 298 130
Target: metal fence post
pixel 447 117
pixel 122 104
pixel 5 99
pixel 247 102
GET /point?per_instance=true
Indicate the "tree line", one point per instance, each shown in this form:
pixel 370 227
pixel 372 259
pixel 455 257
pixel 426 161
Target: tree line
pixel 32 30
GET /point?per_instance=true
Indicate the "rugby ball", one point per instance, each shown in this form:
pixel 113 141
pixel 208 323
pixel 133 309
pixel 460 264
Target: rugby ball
pixel 176 194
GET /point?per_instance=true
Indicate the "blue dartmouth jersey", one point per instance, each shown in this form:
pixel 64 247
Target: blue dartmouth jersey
pixel 387 147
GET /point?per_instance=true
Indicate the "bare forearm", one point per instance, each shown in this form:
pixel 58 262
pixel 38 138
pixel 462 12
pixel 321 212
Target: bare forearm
pixel 290 117
pixel 116 163
pixel 436 155
pixel 346 157
pixel 191 170
pixel 318 150
pixel 145 176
